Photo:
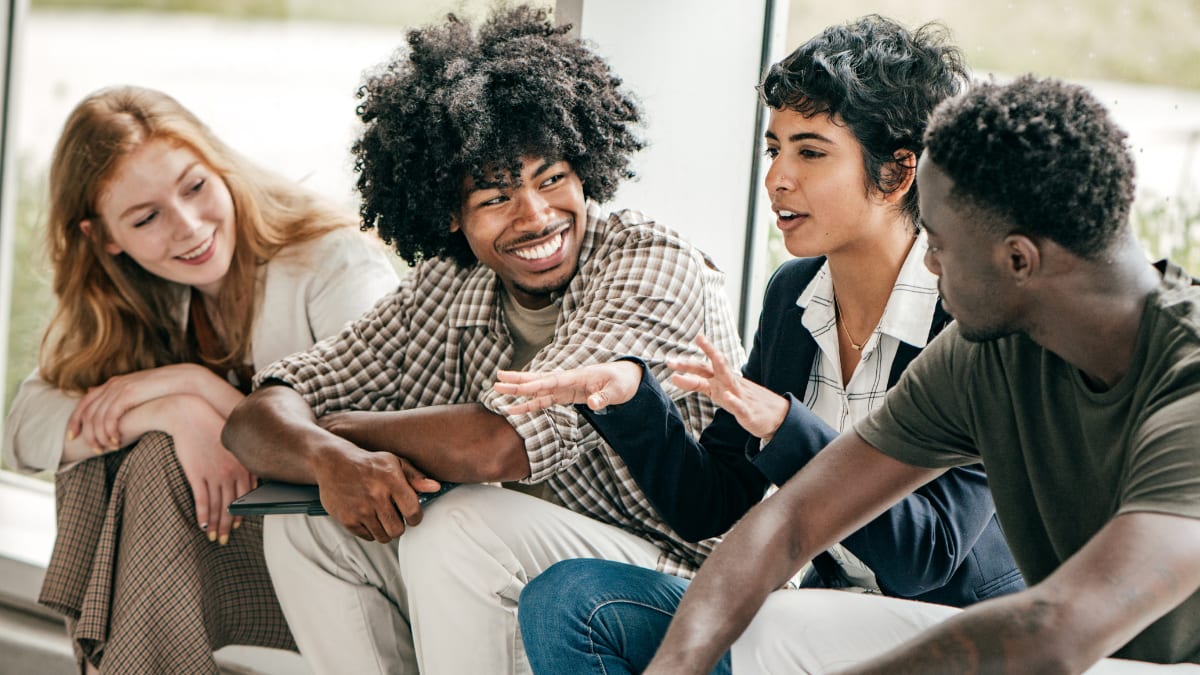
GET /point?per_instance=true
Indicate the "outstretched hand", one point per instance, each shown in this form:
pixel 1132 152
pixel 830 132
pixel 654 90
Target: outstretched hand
pixel 598 386
pixel 758 410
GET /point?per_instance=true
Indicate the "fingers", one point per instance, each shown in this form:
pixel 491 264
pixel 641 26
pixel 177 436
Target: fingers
pixel 222 493
pixel 719 365
pixel 213 495
pixel 689 382
pixel 515 383
pixel 200 494
pixel 517 376
pixel 531 405
pixel 599 400
pixel 417 479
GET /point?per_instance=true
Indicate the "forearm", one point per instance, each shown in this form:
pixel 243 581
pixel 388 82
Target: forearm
pixel 274 434
pixel 699 488
pixel 462 443
pixel 219 394
pixel 158 414
pixel 1020 633
pixel 844 487
pixel 755 558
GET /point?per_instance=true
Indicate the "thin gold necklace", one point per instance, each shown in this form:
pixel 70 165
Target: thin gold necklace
pixel 841 317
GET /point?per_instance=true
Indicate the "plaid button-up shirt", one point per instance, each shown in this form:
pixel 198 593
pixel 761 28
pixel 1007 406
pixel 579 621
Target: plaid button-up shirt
pixel 640 289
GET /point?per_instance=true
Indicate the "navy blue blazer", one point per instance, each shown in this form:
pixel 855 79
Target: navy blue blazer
pixel 940 544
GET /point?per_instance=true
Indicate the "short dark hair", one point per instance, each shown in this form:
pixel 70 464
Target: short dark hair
pixel 461 103
pixel 1041 154
pixel 881 79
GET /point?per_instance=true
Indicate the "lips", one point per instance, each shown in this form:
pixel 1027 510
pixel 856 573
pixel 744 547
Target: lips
pixel 786 218
pixel 543 250
pixel 200 253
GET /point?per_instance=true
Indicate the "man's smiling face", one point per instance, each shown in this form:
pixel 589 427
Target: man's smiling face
pixel 527 229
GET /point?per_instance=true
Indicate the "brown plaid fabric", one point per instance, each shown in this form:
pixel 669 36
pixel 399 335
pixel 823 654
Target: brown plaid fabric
pixel 641 289
pixel 142 588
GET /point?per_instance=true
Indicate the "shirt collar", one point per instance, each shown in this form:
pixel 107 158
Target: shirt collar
pixel 909 311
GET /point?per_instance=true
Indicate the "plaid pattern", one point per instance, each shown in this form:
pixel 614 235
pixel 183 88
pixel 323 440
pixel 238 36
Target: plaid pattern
pixel 142 588
pixel 906 318
pixel 640 289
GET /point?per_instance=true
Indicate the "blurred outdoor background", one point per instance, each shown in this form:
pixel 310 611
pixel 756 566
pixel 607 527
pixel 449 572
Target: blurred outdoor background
pixel 276 80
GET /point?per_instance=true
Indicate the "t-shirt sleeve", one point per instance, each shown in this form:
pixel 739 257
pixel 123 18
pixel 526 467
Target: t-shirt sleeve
pixel 1164 470
pixel 924 419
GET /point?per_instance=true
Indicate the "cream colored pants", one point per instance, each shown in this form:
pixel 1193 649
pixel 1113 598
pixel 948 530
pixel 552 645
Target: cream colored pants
pixel 442 599
pixel 820 630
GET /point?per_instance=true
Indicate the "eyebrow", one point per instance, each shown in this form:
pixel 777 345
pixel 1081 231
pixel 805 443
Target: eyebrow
pixel 802 136
pixel 187 169
pixel 493 185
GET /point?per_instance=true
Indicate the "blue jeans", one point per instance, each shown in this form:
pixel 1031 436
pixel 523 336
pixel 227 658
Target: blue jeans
pixel 599 616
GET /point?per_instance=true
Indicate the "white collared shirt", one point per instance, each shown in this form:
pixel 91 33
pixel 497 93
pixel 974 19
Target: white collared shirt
pixel 906 318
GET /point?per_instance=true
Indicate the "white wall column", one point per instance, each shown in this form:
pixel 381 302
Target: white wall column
pixel 694 65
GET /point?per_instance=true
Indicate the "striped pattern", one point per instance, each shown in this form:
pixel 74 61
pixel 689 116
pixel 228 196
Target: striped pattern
pixel 906 318
pixel 640 289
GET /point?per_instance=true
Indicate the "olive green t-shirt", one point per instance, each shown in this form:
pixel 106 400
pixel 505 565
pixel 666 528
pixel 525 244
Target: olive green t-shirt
pixel 1063 459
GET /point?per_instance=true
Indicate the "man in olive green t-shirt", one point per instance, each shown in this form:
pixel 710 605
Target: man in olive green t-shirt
pixel 1072 371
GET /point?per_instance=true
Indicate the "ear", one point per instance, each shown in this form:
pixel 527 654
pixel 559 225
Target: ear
pixel 109 247
pixel 1023 257
pixel 899 174
pixel 455 223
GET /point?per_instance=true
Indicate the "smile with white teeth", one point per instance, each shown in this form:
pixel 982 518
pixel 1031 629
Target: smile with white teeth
pixel 198 251
pixel 787 215
pixel 541 250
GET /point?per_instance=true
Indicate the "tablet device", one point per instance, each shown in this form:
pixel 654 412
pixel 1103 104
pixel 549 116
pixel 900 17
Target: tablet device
pixel 277 497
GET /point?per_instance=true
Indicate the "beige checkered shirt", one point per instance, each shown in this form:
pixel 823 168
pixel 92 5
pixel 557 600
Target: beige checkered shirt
pixel 641 289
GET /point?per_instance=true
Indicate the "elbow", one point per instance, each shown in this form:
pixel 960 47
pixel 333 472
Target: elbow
pixel 234 432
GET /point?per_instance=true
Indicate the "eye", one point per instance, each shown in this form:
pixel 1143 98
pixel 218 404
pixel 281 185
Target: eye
pixel 146 221
pixel 198 186
pixel 498 199
pixel 771 153
pixel 811 154
pixel 552 180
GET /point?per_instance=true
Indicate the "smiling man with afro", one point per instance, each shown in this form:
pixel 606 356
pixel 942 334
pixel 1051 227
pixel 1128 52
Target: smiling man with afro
pixel 483 157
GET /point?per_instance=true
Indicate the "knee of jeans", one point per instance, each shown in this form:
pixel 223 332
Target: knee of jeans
pixel 569 592
pixel 544 601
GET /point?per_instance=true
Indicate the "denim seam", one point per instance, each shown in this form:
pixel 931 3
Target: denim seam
pixel 592 632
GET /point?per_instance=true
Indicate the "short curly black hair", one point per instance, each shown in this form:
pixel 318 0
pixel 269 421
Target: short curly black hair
pixel 459 102
pixel 881 79
pixel 1041 154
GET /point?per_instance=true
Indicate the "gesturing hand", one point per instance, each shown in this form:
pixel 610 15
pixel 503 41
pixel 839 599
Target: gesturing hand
pixel 372 494
pixel 759 410
pixel 598 385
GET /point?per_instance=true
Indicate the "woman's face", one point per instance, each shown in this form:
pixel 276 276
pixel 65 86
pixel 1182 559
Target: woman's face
pixel 172 214
pixel 818 185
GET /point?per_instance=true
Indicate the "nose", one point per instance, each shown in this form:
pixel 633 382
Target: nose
pixel 532 210
pixel 778 177
pixel 931 261
pixel 187 222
